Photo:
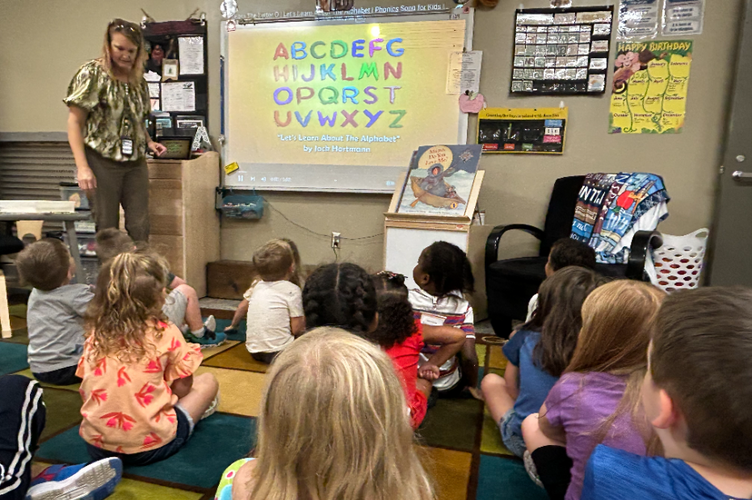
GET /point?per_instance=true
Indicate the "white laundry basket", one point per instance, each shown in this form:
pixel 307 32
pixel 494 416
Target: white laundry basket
pixel 678 263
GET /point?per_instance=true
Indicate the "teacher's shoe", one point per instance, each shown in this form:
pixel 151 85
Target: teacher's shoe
pixel 210 338
pixel 95 481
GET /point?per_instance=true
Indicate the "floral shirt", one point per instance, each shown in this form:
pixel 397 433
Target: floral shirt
pixel 129 407
pixel 116 109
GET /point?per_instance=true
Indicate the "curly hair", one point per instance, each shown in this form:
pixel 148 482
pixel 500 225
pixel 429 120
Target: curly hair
pixel 340 295
pixel 127 302
pixel 448 267
pixel 396 322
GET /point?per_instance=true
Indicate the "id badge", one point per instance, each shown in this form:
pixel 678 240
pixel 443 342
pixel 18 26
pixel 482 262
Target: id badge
pixel 126 146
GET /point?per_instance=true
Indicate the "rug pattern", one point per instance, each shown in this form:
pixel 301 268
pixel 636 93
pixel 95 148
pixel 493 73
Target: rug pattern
pixel 459 443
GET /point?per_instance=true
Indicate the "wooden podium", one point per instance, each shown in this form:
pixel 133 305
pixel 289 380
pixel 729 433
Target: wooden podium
pixel 184 221
pixel 407 234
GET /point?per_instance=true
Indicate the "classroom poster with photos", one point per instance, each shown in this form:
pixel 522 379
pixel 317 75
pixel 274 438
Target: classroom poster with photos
pixel 561 51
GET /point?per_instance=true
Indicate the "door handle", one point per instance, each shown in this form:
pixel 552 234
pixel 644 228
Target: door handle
pixel 739 175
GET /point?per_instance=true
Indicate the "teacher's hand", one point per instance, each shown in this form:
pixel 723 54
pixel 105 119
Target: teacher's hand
pixel 86 179
pixel 156 148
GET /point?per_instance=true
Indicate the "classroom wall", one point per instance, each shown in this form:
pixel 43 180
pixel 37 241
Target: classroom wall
pixel 39 57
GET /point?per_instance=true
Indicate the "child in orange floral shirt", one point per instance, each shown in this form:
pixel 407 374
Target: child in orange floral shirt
pixel 141 400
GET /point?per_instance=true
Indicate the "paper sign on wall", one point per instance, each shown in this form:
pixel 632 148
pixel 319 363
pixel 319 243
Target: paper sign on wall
pixel 463 74
pixel 179 96
pixel 683 17
pixel 191 50
pixel 649 94
pixel 638 19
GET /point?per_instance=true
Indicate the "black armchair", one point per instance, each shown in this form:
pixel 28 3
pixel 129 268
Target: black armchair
pixel 511 283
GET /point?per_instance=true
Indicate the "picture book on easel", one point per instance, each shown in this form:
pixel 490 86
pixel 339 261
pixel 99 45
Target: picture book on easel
pixel 440 180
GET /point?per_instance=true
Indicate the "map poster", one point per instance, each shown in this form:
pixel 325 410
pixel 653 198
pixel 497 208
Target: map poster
pixel 649 93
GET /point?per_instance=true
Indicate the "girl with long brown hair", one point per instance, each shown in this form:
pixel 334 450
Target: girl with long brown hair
pixel 333 425
pixel 538 353
pixel 108 103
pixel 140 397
pixel 597 399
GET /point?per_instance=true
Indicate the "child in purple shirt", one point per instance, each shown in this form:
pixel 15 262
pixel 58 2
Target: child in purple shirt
pixel 596 399
pixel 696 396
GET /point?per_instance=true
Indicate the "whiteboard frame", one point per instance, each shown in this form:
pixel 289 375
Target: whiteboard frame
pixel 225 137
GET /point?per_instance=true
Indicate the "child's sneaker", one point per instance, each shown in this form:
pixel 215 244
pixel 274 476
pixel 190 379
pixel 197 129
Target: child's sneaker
pixel 211 323
pixel 530 468
pixel 212 407
pixel 95 481
pixel 210 338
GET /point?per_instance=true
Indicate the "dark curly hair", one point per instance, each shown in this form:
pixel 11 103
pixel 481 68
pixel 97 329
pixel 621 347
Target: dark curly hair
pixel 340 295
pixel 396 322
pixel 448 267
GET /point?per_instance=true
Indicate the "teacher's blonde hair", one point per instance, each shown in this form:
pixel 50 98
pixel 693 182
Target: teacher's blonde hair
pixel 334 424
pixel 132 32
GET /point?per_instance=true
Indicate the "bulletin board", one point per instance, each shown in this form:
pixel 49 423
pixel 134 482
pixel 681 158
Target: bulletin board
pixel 522 130
pixel 561 51
pixel 339 105
pixel 179 105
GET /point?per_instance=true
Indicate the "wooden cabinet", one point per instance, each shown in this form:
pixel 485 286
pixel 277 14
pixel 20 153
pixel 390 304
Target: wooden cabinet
pixel 184 222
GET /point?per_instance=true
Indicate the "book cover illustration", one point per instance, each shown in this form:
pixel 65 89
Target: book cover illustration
pixel 440 180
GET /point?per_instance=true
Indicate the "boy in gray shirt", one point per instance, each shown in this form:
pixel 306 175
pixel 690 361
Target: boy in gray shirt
pixel 55 311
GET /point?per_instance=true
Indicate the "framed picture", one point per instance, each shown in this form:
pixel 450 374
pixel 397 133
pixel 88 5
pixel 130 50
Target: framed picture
pixel 170 69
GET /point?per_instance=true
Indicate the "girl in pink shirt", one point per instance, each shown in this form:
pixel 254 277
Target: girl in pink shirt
pixel 140 398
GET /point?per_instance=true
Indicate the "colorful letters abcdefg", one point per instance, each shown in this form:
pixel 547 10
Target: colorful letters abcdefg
pixel 330 95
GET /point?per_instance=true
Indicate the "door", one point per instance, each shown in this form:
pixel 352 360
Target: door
pixel 731 237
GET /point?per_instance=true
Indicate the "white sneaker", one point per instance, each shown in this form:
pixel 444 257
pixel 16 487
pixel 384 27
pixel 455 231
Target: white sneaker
pixel 95 481
pixel 211 323
pixel 212 407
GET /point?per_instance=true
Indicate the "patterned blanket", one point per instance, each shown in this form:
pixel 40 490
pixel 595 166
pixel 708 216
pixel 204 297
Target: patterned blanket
pixel 611 206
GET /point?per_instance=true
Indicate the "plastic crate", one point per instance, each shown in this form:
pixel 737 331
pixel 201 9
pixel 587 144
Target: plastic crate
pixel 88 275
pixel 69 191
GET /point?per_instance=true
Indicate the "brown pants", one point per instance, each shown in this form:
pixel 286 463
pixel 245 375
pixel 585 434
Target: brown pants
pixel 120 183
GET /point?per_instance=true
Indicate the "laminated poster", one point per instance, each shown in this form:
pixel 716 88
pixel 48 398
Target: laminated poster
pixel 638 19
pixel 649 93
pixel 682 17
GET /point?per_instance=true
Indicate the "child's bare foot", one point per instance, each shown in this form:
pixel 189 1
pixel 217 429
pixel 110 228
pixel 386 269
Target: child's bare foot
pixel 476 393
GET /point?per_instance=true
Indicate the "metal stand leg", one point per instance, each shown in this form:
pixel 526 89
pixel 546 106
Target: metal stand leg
pixel 70 227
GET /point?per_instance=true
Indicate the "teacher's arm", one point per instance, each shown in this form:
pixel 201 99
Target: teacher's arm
pixel 76 122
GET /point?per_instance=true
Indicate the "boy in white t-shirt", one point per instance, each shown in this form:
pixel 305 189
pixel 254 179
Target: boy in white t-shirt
pixel 273 305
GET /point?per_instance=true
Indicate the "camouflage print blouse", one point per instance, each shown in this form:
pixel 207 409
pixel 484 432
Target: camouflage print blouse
pixel 116 109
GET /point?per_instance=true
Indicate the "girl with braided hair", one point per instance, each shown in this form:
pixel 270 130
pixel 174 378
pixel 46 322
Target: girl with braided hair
pixel 340 295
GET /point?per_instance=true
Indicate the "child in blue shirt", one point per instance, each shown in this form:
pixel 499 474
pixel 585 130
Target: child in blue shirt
pixel 696 395
pixel 538 353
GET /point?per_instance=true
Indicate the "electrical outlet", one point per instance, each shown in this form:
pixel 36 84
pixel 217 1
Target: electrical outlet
pixel 336 239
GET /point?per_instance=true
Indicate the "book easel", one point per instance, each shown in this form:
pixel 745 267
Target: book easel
pixel 407 234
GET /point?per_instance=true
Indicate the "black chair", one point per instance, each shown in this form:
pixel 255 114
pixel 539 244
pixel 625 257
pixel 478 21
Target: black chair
pixel 511 283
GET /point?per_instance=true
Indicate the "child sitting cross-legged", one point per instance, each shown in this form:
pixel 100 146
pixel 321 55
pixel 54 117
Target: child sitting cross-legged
pixel 596 400
pixel 538 353
pixel 181 304
pixel 141 399
pixel 273 304
pixel 696 396
pixel 402 337
pixel 444 275
pixel 55 311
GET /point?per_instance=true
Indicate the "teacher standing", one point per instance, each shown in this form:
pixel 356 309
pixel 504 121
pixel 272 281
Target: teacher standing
pixel 108 102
